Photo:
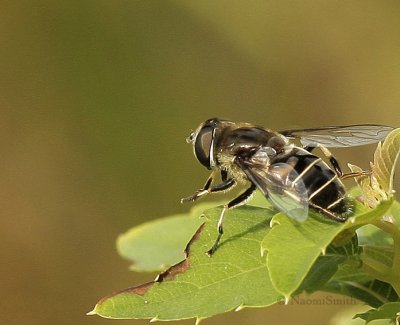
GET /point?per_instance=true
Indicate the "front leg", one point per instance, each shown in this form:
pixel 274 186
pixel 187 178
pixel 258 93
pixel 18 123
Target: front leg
pixel 234 203
pixel 226 184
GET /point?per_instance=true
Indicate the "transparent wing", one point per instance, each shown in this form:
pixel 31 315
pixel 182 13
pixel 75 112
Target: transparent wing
pixel 340 136
pixel 279 183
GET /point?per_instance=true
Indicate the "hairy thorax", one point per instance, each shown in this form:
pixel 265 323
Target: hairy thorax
pixel 227 162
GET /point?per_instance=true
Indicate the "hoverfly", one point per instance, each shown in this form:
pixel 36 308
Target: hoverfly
pixel 291 177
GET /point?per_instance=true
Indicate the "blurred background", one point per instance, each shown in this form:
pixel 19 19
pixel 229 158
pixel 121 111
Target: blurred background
pixel 97 98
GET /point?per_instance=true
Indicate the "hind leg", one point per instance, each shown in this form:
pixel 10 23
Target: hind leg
pixel 336 167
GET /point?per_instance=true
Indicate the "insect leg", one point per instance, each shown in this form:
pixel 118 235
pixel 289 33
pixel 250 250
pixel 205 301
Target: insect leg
pixel 235 202
pixel 226 184
pixel 336 166
pixel 224 175
pixel 332 160
pixel 309 148
pixel 329 214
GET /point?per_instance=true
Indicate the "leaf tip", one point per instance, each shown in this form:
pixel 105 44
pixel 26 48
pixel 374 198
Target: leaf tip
pixel 198 320
pixel 154 319
pixel 240 307
pixel 273 222
pixel 287 299
pixel 92 312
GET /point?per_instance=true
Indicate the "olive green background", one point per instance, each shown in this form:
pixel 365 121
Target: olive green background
pixel 97 98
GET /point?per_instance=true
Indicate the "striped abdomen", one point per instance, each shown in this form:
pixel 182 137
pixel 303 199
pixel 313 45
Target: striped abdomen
pixel 325 190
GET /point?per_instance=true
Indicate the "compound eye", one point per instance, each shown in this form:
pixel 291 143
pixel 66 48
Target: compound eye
pixel 203 146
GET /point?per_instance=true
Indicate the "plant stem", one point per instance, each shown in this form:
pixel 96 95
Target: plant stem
pixel 390 228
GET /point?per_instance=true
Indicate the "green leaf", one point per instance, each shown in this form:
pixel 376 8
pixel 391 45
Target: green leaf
pixel 345 315
pixel 237 275
pixel 385 159
pixel 322 270
pixel 294 247
pixel 173 233
pixel 373 236
pixel 395 213
pixel 379 186
pixel 372 292
pixel 234 277
pixel 378 255
pixel 389 310
pixel 158 244
pixel 147 254
pixel 351 280
pixel 329 264
pixel 366 216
